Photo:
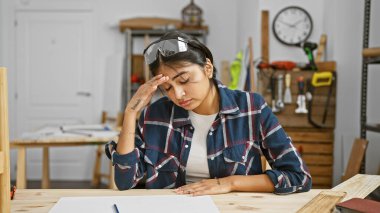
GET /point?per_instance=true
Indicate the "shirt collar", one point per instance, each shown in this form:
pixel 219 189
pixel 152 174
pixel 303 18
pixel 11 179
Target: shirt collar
pixel 227 106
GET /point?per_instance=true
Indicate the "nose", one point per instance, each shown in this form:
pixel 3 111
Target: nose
pixel 179 92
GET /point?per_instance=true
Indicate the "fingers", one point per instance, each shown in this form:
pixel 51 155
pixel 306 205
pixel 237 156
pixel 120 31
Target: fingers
pixel 157 80
pixel 145 92
pixel 200 188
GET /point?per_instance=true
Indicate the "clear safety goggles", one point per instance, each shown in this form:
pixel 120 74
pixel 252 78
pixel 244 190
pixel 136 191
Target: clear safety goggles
pixel 166 48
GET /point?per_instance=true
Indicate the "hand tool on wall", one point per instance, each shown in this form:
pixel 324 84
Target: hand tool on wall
pixel 301 99
pixel 280 104
pixel 309 47
pixel 320 79
pixel 273 92
pixel 288 94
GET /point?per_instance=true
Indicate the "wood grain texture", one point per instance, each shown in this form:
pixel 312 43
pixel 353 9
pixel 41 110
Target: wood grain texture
pixel 265 36
pixel 37 200
pixel 358 186
pixel 356 157
pixel 371 52
pixel 5 178
pixel 324 202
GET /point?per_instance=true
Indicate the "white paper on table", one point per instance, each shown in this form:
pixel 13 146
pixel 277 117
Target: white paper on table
pixel 71 131
pixel 141 204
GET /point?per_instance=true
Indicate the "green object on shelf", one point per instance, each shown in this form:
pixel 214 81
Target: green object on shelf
pixel 235 71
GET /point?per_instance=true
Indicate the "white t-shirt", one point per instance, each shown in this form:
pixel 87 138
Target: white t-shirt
pixel 197 166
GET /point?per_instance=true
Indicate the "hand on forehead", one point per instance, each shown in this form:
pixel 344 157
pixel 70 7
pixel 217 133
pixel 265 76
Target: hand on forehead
pixel 174 72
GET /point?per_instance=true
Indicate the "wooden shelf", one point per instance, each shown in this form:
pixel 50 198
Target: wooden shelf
pixel 373 127
pixel 153 25
pixel 371 52
pixel 371 55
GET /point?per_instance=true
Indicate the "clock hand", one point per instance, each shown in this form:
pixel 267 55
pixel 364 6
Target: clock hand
pixel 290 25
pixel 297 22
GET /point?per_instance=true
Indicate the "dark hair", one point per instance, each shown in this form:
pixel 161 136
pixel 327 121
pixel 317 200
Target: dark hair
pixel 196 53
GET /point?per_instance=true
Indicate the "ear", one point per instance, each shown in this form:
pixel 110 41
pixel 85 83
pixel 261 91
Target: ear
pixel 209 68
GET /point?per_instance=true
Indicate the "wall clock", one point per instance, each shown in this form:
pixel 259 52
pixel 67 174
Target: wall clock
pixel 292 26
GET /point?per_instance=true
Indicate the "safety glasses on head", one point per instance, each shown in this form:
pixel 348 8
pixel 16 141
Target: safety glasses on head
pixel 166 48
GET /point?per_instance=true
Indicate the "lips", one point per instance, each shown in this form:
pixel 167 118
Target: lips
pixel 185 102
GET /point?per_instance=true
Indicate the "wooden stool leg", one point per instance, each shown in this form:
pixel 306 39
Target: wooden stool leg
pixel 45 169
pixel 97 173
pixel 111 178
pixel 21 168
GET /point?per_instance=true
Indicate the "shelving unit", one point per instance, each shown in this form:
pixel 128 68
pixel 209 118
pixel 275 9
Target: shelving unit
pixel 145 27
pixel 370 56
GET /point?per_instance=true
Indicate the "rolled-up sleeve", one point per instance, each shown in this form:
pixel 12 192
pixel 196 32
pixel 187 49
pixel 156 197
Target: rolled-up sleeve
pixel 129 168
pixel 289 172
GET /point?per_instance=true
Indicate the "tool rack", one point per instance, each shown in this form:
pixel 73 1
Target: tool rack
pixel 316 145
pixel 370 56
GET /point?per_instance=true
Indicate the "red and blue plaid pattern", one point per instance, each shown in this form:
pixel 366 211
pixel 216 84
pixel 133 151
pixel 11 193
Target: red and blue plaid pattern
pixel 244 129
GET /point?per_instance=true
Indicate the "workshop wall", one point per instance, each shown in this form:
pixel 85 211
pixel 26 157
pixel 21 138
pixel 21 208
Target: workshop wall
pixel 230 24
pixel 342 21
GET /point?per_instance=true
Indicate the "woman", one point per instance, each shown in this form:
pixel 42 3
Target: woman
pixel 201 138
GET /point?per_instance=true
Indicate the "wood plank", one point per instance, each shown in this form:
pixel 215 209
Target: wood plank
pixel 5 178
pixel 321 48
pixel 313 137
pixel 319 180
pixel 358 186
pixel 2 162
pixel 371 52
pixel 323 203
pixel 321 170
pixel 318 159
pixel 356 157
pixel 314 148
pixel 301 121
pixel 146 23
pixel 265 36
pixel 321 186
pixel 326 66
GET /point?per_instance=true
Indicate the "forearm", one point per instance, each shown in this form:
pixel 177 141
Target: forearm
pixel 126 143
pixel 250 183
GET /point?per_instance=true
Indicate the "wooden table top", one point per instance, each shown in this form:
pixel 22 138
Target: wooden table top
pixel 62 141
pixel 42 200
pixel 57 136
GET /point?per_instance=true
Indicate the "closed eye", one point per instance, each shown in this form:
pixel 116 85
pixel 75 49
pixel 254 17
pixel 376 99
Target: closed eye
pixel 184 81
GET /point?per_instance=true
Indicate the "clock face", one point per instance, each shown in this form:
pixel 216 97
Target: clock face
pixel 292 25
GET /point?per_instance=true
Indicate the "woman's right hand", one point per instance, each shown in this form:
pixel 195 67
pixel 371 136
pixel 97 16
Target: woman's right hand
pixel 144 94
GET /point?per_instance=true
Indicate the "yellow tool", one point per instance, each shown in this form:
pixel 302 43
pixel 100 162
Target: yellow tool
pixel 321 79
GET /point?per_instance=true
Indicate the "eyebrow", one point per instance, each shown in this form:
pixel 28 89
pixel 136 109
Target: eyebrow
pixel 179 74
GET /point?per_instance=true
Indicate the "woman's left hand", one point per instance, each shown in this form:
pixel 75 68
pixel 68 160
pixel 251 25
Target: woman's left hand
pixel 207 187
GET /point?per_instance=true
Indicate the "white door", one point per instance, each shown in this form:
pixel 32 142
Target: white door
pixel 55 85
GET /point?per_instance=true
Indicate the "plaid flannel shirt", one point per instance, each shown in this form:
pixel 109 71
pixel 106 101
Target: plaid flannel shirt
pixel 244 129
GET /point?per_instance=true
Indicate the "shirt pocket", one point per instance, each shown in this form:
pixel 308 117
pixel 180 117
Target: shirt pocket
pixel 235 154
pixel 162 169
pixel 161 162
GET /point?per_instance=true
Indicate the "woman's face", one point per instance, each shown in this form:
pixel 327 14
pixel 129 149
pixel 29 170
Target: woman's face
pixel 188 85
